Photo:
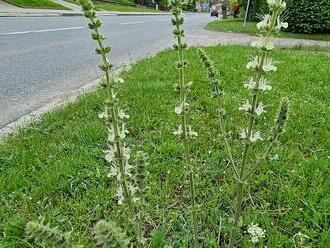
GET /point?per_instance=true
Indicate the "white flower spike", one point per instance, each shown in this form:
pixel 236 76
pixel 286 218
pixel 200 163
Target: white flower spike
pixel 264 84
pixel 178 131
pixel 260 109
pixel 253 63
pixel 246 106
pixel 256 233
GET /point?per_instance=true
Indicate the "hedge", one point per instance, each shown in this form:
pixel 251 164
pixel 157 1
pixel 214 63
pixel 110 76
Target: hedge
pixel 303 16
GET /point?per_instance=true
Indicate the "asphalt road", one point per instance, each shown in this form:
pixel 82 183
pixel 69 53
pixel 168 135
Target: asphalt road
pixel 44 58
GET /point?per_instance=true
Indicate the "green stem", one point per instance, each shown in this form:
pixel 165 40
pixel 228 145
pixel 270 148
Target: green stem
pixel 240 187
pixel 187 161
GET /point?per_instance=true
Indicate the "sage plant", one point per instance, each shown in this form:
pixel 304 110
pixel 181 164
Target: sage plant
pixel 184 131
pixel 118 152
pixel 261 64
pixel 47 235
pixel 257 84
pixel 106 235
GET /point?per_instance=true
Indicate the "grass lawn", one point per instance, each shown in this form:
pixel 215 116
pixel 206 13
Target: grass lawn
pixel 55 168
pixel 120 5
pixel 251 28
pixel 40 4
pixel 123 8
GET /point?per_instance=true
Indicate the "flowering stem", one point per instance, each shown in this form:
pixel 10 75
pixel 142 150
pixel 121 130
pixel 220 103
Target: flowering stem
pixel 94 25
pixel 217 93
pixel 178 32
pixel 241 183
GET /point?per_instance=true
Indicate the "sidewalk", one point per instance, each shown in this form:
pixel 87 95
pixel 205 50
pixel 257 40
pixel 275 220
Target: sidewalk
pixel 208 38
pixel 8 10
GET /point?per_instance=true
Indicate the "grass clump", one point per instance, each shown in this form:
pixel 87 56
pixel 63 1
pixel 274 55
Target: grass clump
pixel 236 26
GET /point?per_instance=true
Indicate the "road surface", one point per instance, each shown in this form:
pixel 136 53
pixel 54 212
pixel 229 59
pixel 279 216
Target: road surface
pixel 45 58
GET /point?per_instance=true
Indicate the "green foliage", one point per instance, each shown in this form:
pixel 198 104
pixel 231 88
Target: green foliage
pixel 44 4
pixel 108 235
pixel 251 28
pixel 44 234
pixel 308 16
pixel 12 234
pixel 303 16
pixel 56 168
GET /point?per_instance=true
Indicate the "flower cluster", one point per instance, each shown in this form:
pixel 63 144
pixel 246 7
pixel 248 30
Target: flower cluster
pixel 256 233
pixel 270 24
pixel 118 153
pixel 262 64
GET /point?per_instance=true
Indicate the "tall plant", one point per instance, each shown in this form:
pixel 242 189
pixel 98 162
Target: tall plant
pixel 257 84
pixel 184 130
pixel 118 152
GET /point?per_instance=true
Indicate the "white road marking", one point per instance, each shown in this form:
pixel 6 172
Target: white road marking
pixel 163 20
pixel 40 31
pixel 129 23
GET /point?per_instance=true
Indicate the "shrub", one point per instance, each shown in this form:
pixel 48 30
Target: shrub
pixel 309 16
pixel 304 16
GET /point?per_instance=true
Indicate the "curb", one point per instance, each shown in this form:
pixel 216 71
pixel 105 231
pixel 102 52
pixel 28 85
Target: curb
pixel 59 101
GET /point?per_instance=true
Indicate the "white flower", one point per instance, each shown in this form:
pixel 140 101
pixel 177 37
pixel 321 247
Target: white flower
pixel 250 84
pixel 109 154
pixel 253 63
pixel 113 172
pixel 123 131
pixel 119 80
pixel 111 134
pixel 260 109
pixel 281 24
pixel 263 84
pixel 183 106
pixel 126 152
pixel 266 44
pixel 128 169
pixel 122 114
pixel 104 115
pixel 119 195
pixel 246 106
pixel 133 189
pixel 276 4
pixel 243 134
pixel 255 136
pixel 178 131
pixel 113 95
pixel 191 132
pixel 178 109
pixel 265 22
pixel 269 65
pixel 256 233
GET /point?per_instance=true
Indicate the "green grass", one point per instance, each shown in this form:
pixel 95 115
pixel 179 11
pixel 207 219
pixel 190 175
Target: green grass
pixel 55 168
pixel 120 5
pixel 123 8
pixel 237 26
pixel 40 4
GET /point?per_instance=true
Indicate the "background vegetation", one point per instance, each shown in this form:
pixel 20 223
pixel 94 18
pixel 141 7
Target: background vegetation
pixel 56 168
pixel 47 4
pixel 304 16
